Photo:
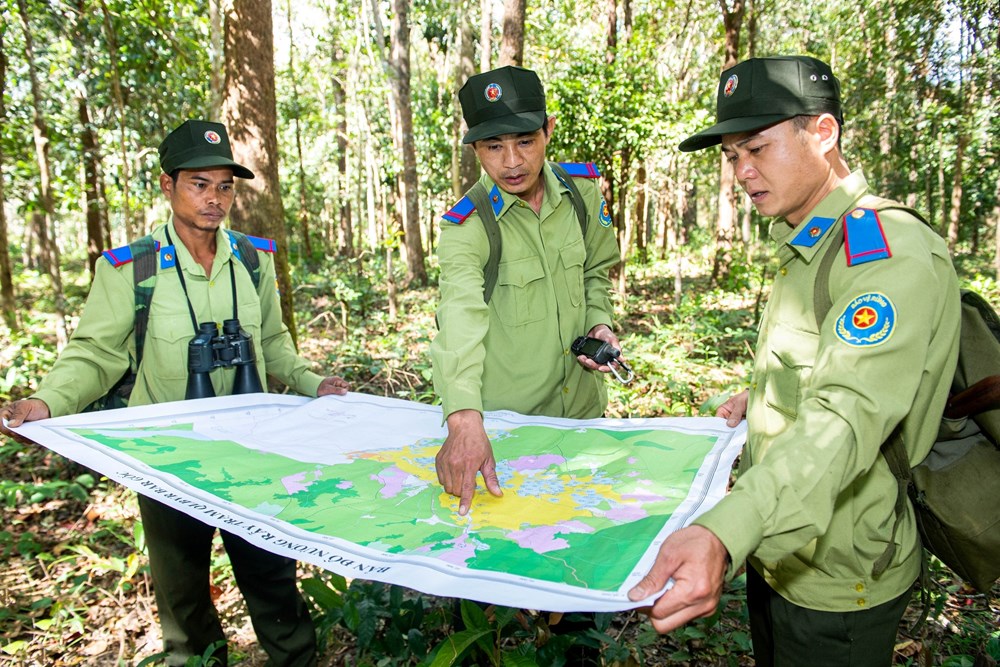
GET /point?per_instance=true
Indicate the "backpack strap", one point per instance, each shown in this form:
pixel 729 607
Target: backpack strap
pixel 481 203
pixel 245 248
pixel 144 254
pixel 574 192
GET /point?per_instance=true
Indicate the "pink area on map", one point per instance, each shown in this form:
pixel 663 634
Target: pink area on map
pixel 346 484
pixel 460 553
pixel 392 480
pixel 536 462
pixel 626 514
pixel 542 539
pixel 295 483
pixel 632 460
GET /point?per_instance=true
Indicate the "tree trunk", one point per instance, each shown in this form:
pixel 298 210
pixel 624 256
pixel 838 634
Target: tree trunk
pixel 303 216
pixel 47 245
pixel 732 18
pixel 7 303
pixel 955 210
pixel 612 30
pixel 342 192
pixel 95 213
pixel 216 58
pixel 416 272
pixel 640 212
pixel 464 169
pixel 486 35
pixel 754 10
pixel 996 232
pixel 94 202
pixel 512 44
pixel 250 113
pixel 119 97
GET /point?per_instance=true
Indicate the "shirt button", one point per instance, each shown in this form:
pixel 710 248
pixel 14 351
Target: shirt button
pixel 860 588
pixel 565 390
pixel 784 271
pixel 211 283
pixel 861 602
pixel 565 351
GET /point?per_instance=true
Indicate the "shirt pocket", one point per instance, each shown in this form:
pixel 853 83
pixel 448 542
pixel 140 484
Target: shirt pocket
pixel 573 257
pixel 791 355
pixel 164 357
pixel 520 294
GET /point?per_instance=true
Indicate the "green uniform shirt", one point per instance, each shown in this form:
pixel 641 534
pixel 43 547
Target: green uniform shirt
pixel 98 353
pixel 553 286
pixel 814 506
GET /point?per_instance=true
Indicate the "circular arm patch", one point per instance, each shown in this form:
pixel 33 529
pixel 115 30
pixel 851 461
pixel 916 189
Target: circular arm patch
pixel 868 320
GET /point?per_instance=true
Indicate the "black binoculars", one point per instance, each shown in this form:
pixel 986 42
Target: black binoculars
pixel 209 350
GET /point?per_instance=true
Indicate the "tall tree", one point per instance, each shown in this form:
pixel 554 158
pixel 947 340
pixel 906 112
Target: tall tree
pixel 485 35
pixel 131 229
pixel 725 228
pixel 303 215
pixel 45 219
pixel 216 54
pixel 512 44
pixel 399 67
pixel 94 209
pixel 338 75
pixel 7 303
pixel 464 169
pixel 251 116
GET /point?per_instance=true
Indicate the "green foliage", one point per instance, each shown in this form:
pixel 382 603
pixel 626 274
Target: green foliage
pixel 14 492
pixel 389 625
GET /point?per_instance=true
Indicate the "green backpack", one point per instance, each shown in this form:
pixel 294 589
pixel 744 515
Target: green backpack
pixel 955 490
pixel 144 253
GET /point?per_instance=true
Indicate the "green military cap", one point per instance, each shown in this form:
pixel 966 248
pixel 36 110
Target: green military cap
pixel 763 91
pixel 198 144
pixel 508 100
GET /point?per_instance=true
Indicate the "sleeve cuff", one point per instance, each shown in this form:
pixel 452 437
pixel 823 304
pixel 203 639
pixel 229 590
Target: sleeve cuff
pixel 737 525
pixel 309 383
pixel 57 406
pixel 595 317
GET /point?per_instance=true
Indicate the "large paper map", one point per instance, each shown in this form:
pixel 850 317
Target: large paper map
pixel 349 484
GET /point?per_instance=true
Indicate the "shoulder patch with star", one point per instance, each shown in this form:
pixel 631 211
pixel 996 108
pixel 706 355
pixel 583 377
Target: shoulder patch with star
pixel 868 320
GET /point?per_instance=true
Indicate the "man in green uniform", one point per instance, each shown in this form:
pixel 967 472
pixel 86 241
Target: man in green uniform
pixel 199 279
pixel 512 352
pixel 813 512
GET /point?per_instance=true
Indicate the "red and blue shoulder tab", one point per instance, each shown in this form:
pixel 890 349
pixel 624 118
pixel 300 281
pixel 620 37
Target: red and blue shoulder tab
pixel 118 257
pixel 864 238
pixel 262 244
pixel 460 212
pixel 258 242
pixel 581 169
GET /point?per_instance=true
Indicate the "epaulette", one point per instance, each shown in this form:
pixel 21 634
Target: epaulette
pixel 581 169
pixel 864 238
pixel 460 212
pixel 262 244
pixel 118 257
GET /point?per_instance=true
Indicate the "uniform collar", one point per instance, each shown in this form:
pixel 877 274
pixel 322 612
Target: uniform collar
pixel 223 251
pixel 806 238
pixel 504 201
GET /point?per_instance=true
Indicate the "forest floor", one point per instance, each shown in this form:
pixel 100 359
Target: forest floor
pixel 74 585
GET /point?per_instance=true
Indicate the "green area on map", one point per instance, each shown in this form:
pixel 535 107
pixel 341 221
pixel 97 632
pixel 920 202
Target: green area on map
pixel 580 506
